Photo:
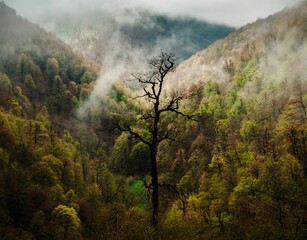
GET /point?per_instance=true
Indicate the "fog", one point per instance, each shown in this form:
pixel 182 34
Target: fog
pixel 119 59
pixel 280 51
pixel 234 13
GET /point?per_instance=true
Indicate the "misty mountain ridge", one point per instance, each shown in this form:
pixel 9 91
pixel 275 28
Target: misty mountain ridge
pixel 277 44
pixel 6 10
pixel 103 34
pixel 28 55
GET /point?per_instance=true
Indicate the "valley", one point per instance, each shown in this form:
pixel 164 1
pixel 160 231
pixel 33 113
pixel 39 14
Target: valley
pixel 153 127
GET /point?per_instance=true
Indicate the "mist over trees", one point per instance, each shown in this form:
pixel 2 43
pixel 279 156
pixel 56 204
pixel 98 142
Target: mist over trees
pixel 212 148
pixel 100 35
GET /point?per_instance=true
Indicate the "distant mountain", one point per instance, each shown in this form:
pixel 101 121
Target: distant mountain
pixel 256 80
pixel 100 34
pixel 40 65
pixel 278 44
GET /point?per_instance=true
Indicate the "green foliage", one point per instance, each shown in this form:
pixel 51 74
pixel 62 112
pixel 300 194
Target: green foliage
pixel 87 78
pixel 284 197
pixel 139 158
pixel 29 82
pixel 8 137
pixel 25 66
pixel 212 87
pixel 247 186
pixel 57 194
pixel 119 152
pixel 38 165
pixel 43 174
pixel 187 182
pixel 218 159
pixel 248 130
pixel 249 73
pixel 238 172
pixel 38 225
pixel 5 83
pixel 4 158
pixel 66 222
pixel 138 187
pixel 13 233
pixel 52 70
pixel 107 184
pixel 117 92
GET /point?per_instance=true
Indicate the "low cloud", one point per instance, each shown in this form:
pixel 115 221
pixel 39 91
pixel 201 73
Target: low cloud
pixel 234 13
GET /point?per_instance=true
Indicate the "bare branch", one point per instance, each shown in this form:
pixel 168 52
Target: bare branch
pixel 181 195
pixel 166 137
pixel 148 94
pixel 147 116
pixel 173 106
pixel 142 96
pixel 133 133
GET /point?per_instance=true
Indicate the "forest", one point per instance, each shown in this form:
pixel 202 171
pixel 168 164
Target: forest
pixel 214 147
pixel 101 33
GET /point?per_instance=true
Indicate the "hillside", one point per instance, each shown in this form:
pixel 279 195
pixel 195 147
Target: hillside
pixel 40 64
pixel 239 169
pixel 276 43
pixel 102 34
pixel 228 133
pixel 253 127
pixel 42 83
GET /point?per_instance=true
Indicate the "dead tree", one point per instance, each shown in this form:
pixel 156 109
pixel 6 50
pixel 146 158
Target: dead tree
pixel 152 83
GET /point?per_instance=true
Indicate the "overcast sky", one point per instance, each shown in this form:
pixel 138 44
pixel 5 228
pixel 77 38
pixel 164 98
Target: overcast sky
pixel 232 12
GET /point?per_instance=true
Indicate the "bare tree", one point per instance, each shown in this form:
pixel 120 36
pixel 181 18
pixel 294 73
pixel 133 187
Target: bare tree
pixel 153 82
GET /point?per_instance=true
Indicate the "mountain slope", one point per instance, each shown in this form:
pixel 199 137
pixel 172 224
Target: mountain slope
pixel 101 34
pixel 42 82
pixel 248 150
pixel 276 42
pixel 235 170
pixel 239 171
pixel 39 63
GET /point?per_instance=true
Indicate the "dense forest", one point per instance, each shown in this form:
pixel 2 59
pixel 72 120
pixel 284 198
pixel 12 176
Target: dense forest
pixel 227 130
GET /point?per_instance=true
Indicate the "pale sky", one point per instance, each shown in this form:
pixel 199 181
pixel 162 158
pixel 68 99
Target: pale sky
pixel 231 12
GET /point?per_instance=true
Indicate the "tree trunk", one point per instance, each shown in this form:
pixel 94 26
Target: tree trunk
pixel 155 187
